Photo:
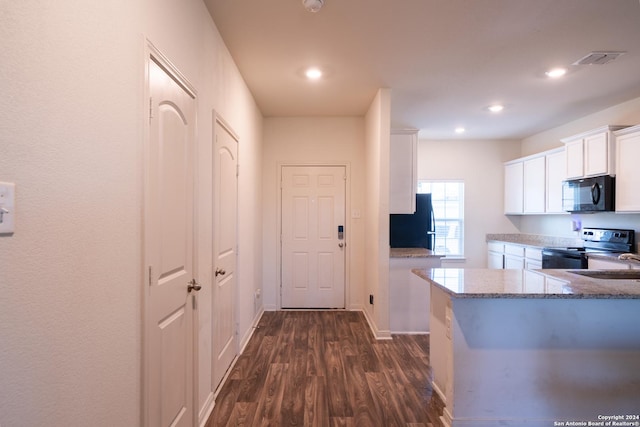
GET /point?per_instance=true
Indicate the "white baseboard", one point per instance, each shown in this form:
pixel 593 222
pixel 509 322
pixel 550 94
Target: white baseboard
pixel 247 336
pixel 378 334
pixel 207 409
pixel 409 333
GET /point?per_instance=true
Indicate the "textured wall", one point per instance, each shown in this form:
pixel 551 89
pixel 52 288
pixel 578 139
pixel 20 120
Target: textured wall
pixel 70 317
pixel 71 133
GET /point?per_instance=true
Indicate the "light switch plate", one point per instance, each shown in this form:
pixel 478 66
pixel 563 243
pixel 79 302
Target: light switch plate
pixel 7 207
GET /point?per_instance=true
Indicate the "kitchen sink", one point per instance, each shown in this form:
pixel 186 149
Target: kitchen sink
pixel 610 274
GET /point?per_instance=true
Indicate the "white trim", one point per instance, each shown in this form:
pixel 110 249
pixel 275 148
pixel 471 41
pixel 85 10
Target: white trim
pixel 152 53
pixel 211 403
pixel 378 334
pixel 347 220
pixel 409 333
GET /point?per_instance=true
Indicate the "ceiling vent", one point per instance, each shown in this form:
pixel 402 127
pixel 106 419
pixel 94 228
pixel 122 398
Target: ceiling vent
pixel 598 58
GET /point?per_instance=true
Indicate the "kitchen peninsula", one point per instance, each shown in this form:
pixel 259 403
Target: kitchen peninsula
pixel 533 347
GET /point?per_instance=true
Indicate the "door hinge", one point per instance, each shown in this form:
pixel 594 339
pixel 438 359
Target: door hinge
pixel 237 171
pixel 150 109
pixel 150 272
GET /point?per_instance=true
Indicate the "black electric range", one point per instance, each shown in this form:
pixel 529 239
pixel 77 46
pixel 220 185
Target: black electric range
pixel 603 241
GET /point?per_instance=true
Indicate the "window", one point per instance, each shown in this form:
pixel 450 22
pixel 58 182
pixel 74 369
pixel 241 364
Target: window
pixel 447 198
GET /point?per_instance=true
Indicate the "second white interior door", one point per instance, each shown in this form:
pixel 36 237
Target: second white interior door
pixel 312 250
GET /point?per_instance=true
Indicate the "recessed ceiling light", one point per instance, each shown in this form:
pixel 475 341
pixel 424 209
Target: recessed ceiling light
pixel 556 72
pixel 460 129
pixel 313 73
pixel 495 108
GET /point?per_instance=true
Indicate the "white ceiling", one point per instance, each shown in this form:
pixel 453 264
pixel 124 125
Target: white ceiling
pixel 444 60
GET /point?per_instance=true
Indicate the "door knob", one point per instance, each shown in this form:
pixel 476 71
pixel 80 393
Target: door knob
pixel 193 286
pixel 340 244
pixel 219 272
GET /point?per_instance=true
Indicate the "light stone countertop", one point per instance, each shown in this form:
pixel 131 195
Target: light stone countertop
pixel 537 240
pixel 550 284
pixel 413 253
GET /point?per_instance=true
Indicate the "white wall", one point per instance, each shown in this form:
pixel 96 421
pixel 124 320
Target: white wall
pixel 378 136
pixel 627 113
pixel 480 165
pixel 72 111
pixel 315 140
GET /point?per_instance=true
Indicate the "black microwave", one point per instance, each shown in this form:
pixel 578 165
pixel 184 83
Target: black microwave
pixel 594 194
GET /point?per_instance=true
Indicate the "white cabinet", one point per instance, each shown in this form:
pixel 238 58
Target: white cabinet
pixel 575 159
pixel 591 153
pixel 513 187
pixel 534 185
pixel 513 256
pixel 532 257
pixel 409 295
pixel 628 169
pixel 601 264
pixel 495 255
pixel 556 172
pixel 403 179
pixel 507 255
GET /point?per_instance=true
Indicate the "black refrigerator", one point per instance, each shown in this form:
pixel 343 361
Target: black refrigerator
pixel 414 230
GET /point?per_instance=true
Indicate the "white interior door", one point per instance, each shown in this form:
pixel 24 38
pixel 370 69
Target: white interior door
pixel 312 252
pixel 169 251
pixel 225 208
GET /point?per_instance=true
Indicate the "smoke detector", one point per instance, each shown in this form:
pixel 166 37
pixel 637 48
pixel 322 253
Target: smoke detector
pixel 598 58
pixel 313 5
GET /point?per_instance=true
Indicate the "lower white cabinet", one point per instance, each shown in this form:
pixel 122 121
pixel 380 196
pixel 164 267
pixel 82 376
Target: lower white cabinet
pixel 495 255
pixel 601 264
pixel 409 295
pixel 507 255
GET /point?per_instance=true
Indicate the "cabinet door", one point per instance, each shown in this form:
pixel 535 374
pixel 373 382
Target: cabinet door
pixel 534 185
pixel 402 174
pixel 513 188
pixel 556 173
pixel 511 261
pixel 495 260
pixel 628 173
pixel 596 155
pixel 575 159
pixel 599 264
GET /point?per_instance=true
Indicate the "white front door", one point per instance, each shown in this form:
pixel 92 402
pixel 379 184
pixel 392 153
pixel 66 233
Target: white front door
pixel 169 251
pixel 225 208
pixel 312 252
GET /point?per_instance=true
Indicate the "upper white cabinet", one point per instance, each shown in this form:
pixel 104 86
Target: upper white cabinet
pixel 533 184
pixel 591 153
pixel 628 170
pixel 514 187
pixel 556 172
pixel 403 178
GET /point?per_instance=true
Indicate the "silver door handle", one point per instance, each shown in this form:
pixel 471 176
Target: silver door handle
pixel 219 272
pixel 340 244
pixel 193 286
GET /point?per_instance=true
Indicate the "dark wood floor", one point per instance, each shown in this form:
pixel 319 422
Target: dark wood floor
pixel 324 368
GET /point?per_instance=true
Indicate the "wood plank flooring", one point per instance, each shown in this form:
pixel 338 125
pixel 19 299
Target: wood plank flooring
pixel 325 368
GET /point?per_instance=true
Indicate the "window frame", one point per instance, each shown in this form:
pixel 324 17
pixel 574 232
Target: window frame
pixel 459 220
